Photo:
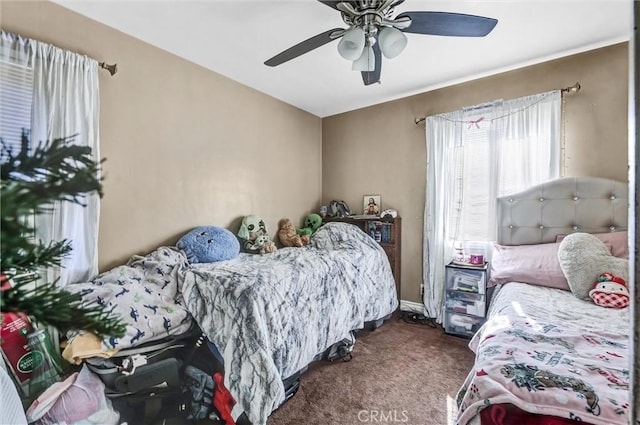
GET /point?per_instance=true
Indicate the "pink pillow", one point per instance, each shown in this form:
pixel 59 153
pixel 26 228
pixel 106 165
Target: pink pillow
pixel 619 242
pixel 534 264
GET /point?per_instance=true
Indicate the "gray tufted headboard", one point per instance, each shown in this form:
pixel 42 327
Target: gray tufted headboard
pixel 562 206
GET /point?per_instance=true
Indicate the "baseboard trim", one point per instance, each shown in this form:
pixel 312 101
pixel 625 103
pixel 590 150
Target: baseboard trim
pixel 412 307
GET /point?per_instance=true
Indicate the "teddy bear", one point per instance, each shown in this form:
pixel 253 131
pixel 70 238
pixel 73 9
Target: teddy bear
pixel 288 235
pixel 311 223
pixel 610 291
pixel 254 236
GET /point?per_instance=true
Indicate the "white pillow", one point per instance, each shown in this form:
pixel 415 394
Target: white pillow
pixel 583 257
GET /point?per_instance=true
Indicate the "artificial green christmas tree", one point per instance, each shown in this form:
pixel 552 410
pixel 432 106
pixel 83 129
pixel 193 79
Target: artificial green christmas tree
pixel 31 181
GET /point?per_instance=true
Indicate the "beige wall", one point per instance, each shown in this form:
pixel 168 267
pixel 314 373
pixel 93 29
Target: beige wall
pixel 185 146
pixel 380 150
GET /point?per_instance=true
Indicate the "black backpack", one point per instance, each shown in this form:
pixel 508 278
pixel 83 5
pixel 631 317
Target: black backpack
pixel 338 209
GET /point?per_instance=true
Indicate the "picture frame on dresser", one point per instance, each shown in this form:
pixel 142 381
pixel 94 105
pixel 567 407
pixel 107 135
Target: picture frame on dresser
pixel 371 205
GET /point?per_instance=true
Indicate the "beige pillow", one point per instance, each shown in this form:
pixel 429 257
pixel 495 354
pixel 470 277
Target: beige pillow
pixel 583 257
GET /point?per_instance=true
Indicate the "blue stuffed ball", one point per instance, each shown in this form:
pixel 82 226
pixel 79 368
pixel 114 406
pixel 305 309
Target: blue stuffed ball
pixel 209 244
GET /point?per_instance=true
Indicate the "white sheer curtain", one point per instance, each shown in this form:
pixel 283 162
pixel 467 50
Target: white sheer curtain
pixel 66 102
pixel 444 148
pixel 473 156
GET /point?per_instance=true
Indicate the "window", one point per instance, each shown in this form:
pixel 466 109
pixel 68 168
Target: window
pixel 473 180
pixel 16 97
pixel 475 155
pixel 498 154
pixel 54 93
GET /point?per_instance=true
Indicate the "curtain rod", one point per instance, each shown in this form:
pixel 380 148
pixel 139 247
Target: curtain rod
pixel 571 89
pixel 111 68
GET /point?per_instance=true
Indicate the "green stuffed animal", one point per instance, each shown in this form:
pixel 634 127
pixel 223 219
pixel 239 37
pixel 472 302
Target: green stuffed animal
pixel 254 236
pixel 311 223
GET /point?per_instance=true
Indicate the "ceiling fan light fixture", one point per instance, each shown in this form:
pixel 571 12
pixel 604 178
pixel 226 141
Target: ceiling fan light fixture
pixel 366 61
pixel 352 43
pixel 372 32
pixel 392 42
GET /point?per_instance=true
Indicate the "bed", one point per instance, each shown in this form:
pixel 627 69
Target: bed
pixel 269 316
pixel 545 356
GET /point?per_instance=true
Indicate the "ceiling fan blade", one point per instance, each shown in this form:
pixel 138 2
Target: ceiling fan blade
pixel 450 24
pixel 305 46
pixel 370 77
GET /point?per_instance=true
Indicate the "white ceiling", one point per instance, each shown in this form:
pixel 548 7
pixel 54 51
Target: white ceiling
pixel 234 38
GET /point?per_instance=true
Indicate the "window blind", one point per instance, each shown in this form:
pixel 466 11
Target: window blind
pixel 498 158
pixel 16 98
pixel 476 176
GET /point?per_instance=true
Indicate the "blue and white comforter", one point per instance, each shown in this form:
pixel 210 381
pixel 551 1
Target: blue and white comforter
pixel 270 315
pixel 144 294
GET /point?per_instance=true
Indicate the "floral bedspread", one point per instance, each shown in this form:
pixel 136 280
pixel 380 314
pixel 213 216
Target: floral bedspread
pixel 545 366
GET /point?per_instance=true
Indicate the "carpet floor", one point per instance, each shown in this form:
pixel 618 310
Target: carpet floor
pixel 400 373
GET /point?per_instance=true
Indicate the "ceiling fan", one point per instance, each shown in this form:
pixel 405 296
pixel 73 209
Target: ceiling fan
pixel 373 32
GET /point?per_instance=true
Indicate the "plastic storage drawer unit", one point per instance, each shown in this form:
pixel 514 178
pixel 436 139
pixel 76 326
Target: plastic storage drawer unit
pixel 465 299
